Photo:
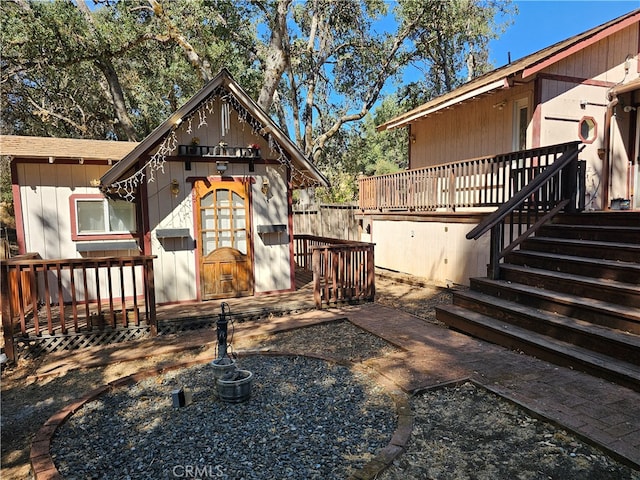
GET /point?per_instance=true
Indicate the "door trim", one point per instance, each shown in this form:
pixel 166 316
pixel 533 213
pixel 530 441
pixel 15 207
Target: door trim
pixel 209 181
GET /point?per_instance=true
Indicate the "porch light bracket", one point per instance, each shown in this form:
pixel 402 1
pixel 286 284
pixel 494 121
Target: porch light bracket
pixel 221 166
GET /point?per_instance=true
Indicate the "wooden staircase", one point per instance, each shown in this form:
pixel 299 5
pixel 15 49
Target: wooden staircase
pixel 570 295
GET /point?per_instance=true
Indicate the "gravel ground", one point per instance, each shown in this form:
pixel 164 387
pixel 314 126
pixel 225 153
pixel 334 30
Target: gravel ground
pixel 306 419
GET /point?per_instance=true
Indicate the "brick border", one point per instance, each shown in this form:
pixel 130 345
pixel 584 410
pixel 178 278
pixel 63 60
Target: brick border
pixel 43 467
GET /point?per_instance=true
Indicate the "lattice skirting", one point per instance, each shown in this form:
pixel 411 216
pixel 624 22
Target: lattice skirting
pixel 33 346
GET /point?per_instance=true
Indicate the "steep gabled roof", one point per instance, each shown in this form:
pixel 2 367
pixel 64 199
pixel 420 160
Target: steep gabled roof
pixel 225 81
pixel 21 146
pixel 524 68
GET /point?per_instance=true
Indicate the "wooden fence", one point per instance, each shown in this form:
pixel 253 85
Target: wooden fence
pixel 54 296
pixel 480 182
pixel 327 220
pixel 343 271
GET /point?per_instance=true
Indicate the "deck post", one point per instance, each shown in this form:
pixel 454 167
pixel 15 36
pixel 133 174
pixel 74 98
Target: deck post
pixel 317 274
pixel 497 234
pixel 7 321
pixel 150 295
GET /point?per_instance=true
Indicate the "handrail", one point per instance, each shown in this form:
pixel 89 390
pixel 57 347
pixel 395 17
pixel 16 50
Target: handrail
pixel 519 197
pixel 551 189
pixel 58 295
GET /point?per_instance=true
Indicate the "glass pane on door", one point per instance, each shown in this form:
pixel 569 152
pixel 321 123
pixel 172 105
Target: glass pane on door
pixel 222 198
pixel 208 242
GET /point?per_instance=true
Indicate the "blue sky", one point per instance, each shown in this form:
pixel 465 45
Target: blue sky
pixel 540 24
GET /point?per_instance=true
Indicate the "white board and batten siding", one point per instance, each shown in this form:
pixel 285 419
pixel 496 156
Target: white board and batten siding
pixel 45 190
pixel 176 265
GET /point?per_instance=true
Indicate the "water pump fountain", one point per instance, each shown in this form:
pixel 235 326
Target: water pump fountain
pixel 233 385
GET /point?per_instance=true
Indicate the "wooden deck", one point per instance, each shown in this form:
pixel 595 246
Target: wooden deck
pixel 87 302
pixel 170 319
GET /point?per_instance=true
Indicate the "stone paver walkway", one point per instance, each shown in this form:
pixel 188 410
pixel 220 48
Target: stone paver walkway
pixel 599 411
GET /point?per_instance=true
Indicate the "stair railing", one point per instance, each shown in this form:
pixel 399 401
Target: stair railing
pixel 550 189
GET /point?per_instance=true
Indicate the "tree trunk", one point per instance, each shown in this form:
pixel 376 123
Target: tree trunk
pixel 277 55
pixel 103 62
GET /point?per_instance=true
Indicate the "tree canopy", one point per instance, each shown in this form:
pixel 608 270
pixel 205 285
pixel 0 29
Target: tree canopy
pixel 116 69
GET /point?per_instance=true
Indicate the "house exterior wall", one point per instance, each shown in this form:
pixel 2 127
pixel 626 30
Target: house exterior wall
pixel 577 87
pixel 176 268
pixel 46 220
pixel 435 250
pixel 474 129
pixel 559 97
pixel 45 190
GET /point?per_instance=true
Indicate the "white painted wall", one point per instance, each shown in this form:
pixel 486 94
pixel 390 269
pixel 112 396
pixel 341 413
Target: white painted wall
pixel 434 250
pixel 271 251
pixel 46 215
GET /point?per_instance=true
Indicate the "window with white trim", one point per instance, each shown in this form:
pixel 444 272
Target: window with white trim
pixel 95 216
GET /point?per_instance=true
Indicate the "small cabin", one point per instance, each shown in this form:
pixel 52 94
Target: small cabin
pixel 208 194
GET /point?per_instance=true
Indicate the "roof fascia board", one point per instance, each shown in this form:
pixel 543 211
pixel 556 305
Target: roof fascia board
pixel 576 47
pixel 113 174
pixel 223 79
pixel 497 84
pixel 276 131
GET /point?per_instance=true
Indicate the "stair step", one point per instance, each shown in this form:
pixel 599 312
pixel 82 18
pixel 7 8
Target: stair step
pixel 544 347
pixel 614 343
pixel 607 314
pixel 627 272
pixel 612 218
pixel 623 293
pixel 626 252
pixel 606 233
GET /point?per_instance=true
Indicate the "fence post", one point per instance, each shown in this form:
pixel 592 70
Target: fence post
pixel 7 321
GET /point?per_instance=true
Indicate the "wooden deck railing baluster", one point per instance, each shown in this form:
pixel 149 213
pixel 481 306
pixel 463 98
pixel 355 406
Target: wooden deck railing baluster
pixel 343 270
pixel 481 182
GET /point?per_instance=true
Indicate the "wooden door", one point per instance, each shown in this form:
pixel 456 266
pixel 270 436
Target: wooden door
pixel 224 239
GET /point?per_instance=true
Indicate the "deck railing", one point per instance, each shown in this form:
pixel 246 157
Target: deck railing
pixel 343 270
pixel 480 182
pixel 53 296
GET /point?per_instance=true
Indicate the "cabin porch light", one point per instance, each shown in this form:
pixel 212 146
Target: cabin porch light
pixel 221 166
pixel 94 182
pixel 265 186
pixel 175 187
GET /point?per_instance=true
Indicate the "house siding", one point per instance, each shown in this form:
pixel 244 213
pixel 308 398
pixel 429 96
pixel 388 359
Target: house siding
pixel 176 264
pixel 577 87
pixel 474 129
pixel 567 91
pixel 436 250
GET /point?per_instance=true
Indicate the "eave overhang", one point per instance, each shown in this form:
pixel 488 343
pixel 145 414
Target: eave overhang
pixel 524 69
pixel 224 80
